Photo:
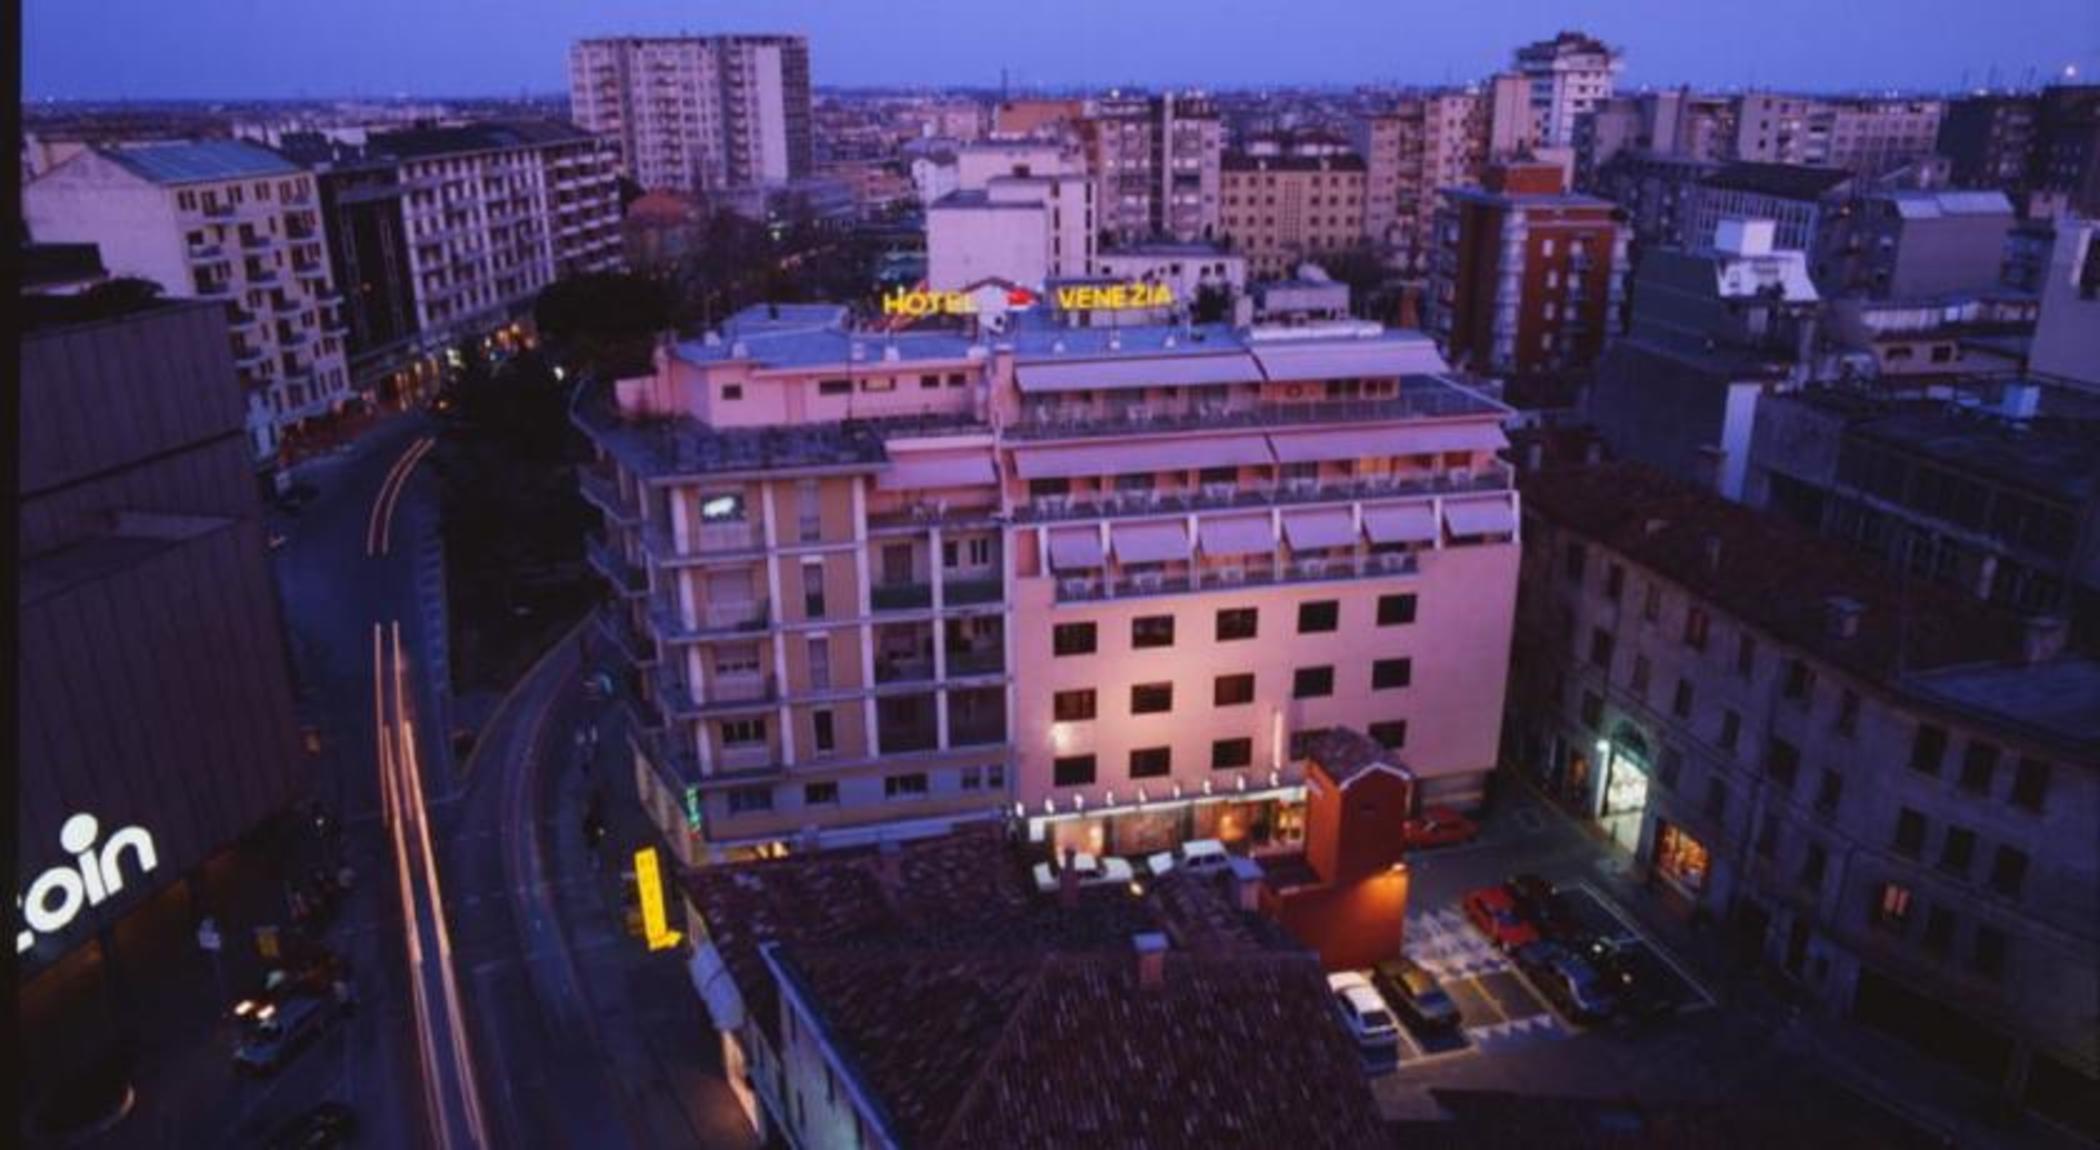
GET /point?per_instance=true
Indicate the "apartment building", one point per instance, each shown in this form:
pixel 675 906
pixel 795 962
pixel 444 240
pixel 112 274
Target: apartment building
pixel 1988 140
pixel 492 212
pixel 884 583
pixel 698 114
pixel 1567 77
pixel 1887 792
pixel 1872 138
pixel 1525 277
pixel 2067 332
pixel 1796 198
pixel 1673 122
pixel 1019 211
pixel 1413 148
pixel 1157 162
pixel 1290 206
pixel 220 220
pixel 1914 244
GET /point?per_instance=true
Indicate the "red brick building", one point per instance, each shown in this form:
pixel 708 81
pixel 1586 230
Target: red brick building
pixel 1526 277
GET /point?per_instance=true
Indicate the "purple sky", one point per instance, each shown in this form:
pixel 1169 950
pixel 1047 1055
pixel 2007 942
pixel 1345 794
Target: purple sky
pixel 264 48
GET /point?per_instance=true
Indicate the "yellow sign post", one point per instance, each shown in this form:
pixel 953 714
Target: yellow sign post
pixel 648 879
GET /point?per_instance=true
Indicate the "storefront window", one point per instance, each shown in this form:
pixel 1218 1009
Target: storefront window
pixel 1681 858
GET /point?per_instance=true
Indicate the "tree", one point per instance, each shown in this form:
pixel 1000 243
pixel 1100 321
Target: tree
pixel 603 320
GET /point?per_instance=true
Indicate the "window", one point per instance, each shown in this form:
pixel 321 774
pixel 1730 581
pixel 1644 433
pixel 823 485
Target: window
pixel 1829 788
pixel 745 800
pixel 1782 763
pixel 1800 681
pixel 1640 677
pixel 1301 741
pixel 1927 750
pixel 826 734
pixel 1313 618
pixel 1151 698
pixel 929 382
pixel 1848 712
pixel 1151 762
pixel 1072 706
pixel 1072 639
pixel 1592 711
pixel 1716 798
pixel 742 732
pixel 955 379
pixel 1695 628
pixel 1681 701
pixel 908 786
pixel 1152 631
pixel 1573 558
pixel 2031 777
pixel 1671 768
pixel 1987 952
pixel 1072 771
pixel 1236 623
pixel 973 778
pixel 1978 764
pixel 813 588
pixel 1939 930
pixel 1910 833
pixel 1390 733
pixel 1652 603
pixel 1814 861
pixel 820 794
pixel 1230 754
pixel 1731 728
pixel 1745 655
pixel 879 383
pixel 732 391
pixel 1396 610
pixel 1232 690
pixel 1768 835
pixel 1892 907
pixel 1312 683
pixel 834 387
pixel 1956 850
pixel 1600 648
pixel 722 507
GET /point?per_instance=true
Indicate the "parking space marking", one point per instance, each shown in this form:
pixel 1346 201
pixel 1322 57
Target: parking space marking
pixel 1636 934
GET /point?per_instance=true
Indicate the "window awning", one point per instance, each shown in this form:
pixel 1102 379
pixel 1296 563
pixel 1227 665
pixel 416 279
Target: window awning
pixel 1131 457
pixel 1313 530
pixel 1400 522
pixel 1480 517
pixel 1075 549
pixel 1183 370
pixel 942 469
pixel 1236 535
pixel 1385 442
pixel 1150 542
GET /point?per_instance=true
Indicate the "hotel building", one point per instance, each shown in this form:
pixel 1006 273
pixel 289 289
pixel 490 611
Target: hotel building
pixel 1106 582
pixel 220 220
pixel 694 114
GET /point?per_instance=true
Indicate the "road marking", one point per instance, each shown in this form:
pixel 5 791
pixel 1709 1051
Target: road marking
pixel 1655 948
pixel 379 526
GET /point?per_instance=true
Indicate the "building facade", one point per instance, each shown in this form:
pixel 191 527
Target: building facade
pixel 1568 77
pixel 2067 332
pixel 1526 277
pixel 225 221
pixel 1156 161
pixel 1284 209
pixel 698 114
pixel 1020 211
pixel 1797 199
pixel 881 583
pixel 1908 243
pixel 1411 150
pixel 1857 778
pixel 1988 140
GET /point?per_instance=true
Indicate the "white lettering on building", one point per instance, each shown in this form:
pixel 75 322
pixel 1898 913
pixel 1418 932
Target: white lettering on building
pixel 58 895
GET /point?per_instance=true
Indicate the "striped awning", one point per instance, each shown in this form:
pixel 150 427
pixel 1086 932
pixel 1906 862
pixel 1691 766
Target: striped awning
pixel 1076 549
pixel 1162 542
pixel 1480 517
pixel 1400 522
pixel 1316 530
pixel 1236 535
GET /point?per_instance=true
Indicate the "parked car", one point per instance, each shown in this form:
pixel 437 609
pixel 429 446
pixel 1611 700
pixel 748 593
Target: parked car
pixel 1092 872
pixel 1569 981
pixel 1197 856
pixel 1438 827
pixel 1541 904
pixel 1414 992
pixel 1635 975
pixel 328 1125
pixel 1364 1015
pixel 279 1030
pixel 1494 911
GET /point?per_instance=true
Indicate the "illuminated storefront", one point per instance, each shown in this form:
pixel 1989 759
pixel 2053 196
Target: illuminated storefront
pixel 1257 820
pixel 1622 789
pixel 1680 859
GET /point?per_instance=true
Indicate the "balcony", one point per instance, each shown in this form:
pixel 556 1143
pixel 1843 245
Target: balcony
pixel 626 578
pixel 892 667
pixel 602 491
pixel 965 662
pixel 724 693
pixel 221 290
pixel 616 628
pixel 1066 420
pixel 207 253
pixel 743 757
pixel 254 241
pixel 734 617
pixel 310 271
pixel 710 542
pixel 901 597
pixel 973 592
pixel 1222 497
pixel 217 210
pixel 1233 577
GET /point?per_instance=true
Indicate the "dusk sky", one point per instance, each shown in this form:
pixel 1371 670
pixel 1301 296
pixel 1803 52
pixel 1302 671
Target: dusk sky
pixel 266 48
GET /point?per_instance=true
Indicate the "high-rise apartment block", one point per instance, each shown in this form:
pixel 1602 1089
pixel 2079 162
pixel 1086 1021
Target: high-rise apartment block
pixel 220 220
pixel 1284 204
pixel 1418 145
pixel 1106 582
pixel 1567 77
pixel 1866 137
pixel 697 114
pixel 1525 276
pixel 1157 161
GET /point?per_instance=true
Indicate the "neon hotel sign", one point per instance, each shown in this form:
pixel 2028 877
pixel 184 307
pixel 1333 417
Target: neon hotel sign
pixel 921 302
pixel 95 875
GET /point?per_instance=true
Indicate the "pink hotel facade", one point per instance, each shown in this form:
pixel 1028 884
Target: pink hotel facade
pixel 1102 583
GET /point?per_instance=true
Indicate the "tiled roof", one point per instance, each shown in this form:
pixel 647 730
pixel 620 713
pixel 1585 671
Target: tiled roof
pixel 1344 753
pixel 494 135
pixel 1770 573
pixel 980 1012
pixel 201 161
pixel 1786 181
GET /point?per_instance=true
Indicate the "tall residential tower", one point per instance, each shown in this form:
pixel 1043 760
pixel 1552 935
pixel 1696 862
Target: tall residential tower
pixel 698 114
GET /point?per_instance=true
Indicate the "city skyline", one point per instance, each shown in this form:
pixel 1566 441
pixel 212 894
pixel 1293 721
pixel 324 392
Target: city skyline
pixel 476 49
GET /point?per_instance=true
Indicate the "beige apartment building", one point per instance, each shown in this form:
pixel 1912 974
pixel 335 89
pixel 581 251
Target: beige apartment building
pixel 1156 162
pixel 696 114
pixel 1283 208
pixel 1411 150
pixel 221 220
pixel 1104 583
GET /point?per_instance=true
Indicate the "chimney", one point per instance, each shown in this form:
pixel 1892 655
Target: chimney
pixel 1841 617
pixel 2041 638
pixel 1068 881
pixel 1151 949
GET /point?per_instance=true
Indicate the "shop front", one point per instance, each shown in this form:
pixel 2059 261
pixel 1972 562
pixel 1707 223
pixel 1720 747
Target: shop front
pixel 1681 860
pixel 1622 790
pixel 1254 821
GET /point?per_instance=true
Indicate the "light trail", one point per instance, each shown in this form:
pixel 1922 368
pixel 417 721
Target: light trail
pixel 379 525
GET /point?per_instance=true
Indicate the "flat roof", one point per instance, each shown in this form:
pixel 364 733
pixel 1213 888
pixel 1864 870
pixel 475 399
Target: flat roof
pixel 200 161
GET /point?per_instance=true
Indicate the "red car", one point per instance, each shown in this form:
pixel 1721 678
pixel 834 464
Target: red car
pixel 1493 910
pixel 1438 827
